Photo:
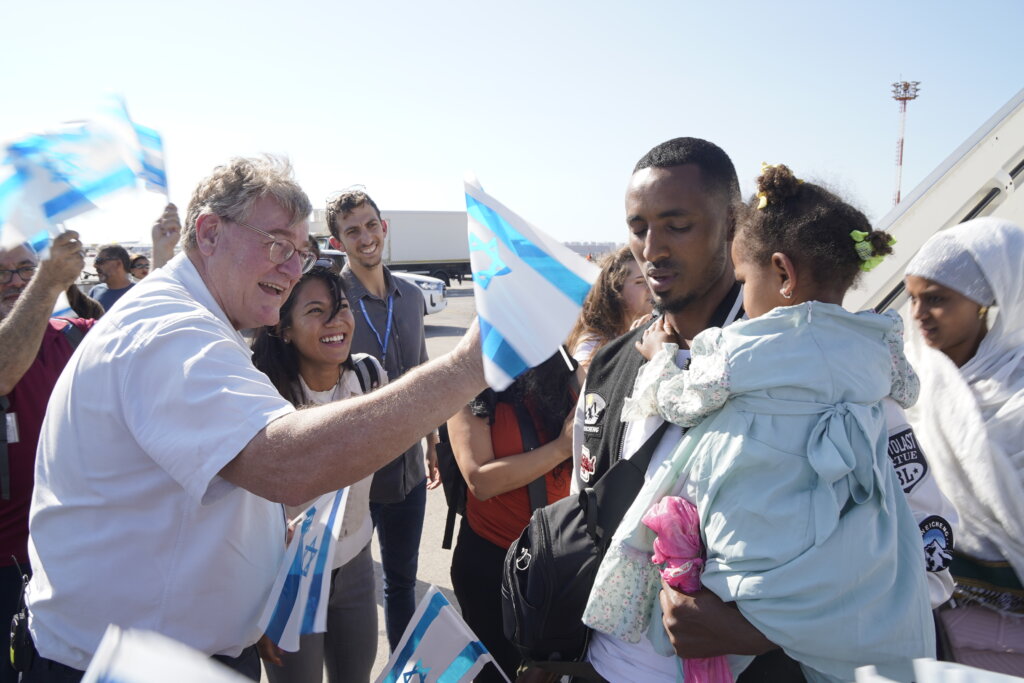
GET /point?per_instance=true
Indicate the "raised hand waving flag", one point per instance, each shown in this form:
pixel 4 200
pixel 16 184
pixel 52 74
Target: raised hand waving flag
pixel 437 647
pixel 529 287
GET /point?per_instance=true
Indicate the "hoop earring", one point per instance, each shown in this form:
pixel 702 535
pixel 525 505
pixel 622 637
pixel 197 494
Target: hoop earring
pixel 983 312
pixel 782 291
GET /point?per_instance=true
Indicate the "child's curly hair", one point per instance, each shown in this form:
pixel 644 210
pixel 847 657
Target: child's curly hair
pixel 810 225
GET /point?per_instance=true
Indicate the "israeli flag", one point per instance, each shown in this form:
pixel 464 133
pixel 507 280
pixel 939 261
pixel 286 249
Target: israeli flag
pixel 136 656
pixel 298 601
pixel 437 647
pixel 142 147
pixel 51 177
pixel 529 288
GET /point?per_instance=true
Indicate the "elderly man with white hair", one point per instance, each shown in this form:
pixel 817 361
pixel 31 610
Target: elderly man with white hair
pixel 156 509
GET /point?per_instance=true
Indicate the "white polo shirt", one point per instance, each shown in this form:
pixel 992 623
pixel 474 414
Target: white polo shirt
pixel 130 522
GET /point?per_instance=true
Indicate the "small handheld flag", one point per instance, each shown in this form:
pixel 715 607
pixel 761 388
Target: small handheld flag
pixel 298 600
pixel 529 288
pixel 437 647
pixel 51 177
pixel 136 656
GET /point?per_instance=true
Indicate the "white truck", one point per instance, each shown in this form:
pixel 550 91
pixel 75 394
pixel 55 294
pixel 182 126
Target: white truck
pixel 431 242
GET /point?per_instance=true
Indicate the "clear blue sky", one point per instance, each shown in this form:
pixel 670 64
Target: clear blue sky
pixel 550 103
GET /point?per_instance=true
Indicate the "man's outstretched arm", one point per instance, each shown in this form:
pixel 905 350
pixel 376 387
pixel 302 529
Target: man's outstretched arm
pixel 310 452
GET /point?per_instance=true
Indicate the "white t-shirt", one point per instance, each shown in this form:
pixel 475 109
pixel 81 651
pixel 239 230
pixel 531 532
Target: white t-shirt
pixel 130 523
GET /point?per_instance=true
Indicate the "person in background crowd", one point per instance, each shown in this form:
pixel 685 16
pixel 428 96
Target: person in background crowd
pixel 618 298
pixel 389 326
pixel 34 349
pixel 786 457
pixel 82 304
pixel 489 438
pixel 966 288
pixel 306 356
pixel 174 523
pixel 112 265
pixel 139 266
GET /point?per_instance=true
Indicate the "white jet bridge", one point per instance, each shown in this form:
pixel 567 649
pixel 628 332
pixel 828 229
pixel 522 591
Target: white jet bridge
pixel 983 177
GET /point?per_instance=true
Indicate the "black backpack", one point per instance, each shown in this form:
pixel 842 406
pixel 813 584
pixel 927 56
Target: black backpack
pixel 550 569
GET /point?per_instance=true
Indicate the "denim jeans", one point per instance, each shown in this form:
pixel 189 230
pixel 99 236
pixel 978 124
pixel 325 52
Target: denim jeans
pixel 399 527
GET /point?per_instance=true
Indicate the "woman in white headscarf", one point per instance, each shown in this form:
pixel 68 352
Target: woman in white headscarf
pixel 967 299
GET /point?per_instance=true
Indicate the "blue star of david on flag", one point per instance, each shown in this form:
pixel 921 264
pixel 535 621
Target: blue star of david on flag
pixel 437 647
pixel 497 266
pixel 418 674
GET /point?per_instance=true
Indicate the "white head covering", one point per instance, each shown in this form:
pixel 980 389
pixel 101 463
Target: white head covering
pixel 945 260
pixel 970 420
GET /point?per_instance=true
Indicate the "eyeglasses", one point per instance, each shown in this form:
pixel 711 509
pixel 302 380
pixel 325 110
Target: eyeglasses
pixel 24 272
pixel 281 249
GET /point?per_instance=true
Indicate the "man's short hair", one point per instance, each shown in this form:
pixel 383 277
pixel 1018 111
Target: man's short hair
pixel 342 204
pixel 115 251
pixel 232 188
pixel 716 167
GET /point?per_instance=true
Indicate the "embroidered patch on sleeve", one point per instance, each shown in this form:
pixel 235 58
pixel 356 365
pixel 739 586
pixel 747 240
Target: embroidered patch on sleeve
pixel 937 535
pixel 907 458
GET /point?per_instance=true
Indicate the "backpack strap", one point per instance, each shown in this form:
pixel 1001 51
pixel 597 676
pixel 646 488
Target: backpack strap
pixel 537 489
pixel 366 371
pixel 613 493
pixel 453 483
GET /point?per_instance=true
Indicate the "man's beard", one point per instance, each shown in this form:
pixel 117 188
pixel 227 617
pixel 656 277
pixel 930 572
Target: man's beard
pixel 677 305
pixel 711 273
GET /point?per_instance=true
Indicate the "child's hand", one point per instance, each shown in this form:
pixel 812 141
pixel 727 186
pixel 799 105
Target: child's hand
pixel 654 336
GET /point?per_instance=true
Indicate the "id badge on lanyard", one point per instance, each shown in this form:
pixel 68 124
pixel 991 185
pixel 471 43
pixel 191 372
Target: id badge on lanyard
pixel 12 428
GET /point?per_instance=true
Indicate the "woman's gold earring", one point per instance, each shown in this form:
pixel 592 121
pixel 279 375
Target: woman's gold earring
pixel 983 312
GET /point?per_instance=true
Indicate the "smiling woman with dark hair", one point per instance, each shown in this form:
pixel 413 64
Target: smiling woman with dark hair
pixel 307 357
pixel 967 297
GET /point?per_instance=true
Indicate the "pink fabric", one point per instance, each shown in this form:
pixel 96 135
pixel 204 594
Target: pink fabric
pixel 679 550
